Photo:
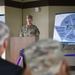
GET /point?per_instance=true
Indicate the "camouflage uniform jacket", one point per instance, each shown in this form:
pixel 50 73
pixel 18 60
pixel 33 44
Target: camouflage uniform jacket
pixel 30 30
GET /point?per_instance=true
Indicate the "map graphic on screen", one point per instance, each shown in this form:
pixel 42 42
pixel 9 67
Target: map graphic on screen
pixel 64 28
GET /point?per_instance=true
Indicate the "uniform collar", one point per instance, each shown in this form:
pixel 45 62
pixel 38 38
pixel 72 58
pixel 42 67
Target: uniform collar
pixel 29 25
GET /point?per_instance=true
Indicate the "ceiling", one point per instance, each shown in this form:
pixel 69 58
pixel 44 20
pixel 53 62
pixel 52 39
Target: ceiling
pixel 24 0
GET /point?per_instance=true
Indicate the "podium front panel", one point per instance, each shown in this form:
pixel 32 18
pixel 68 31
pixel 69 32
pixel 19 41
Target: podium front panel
pixel 18 43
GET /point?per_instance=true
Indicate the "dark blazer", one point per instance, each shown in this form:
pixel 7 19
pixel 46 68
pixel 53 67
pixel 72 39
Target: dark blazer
pixel 8 68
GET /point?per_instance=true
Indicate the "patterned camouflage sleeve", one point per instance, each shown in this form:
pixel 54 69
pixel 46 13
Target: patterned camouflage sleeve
pixel 21 32
pixel 37 33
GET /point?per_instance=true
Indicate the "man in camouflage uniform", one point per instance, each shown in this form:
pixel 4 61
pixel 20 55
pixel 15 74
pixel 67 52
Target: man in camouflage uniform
pixel 29 29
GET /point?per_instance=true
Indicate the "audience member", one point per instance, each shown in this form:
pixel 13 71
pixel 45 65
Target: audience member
pixel 45 57
pixel 6 67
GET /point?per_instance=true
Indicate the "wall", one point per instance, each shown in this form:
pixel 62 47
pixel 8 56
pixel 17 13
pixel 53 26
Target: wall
pixel 29 0
pixel 17 0
pixel 13 18
pixel 40 19
pixel 59 9
pixel 2 9
pixel 24 0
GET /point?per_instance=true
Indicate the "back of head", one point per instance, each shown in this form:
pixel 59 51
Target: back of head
pixel 4 32
pixel 44 57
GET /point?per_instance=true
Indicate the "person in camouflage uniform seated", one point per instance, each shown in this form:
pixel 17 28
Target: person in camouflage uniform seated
pixel 46 57
pixel 29 29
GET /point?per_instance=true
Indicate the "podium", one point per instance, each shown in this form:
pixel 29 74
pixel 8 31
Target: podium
pixel 18 43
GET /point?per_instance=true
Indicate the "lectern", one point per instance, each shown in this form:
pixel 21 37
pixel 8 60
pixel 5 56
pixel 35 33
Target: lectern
pixel 18 43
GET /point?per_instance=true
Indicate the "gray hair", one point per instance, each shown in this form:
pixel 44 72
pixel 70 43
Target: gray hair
pixel 44 57
pixel 4 32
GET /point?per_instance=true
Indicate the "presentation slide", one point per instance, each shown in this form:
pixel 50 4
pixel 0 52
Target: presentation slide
pixel 2 17
pixel 64 28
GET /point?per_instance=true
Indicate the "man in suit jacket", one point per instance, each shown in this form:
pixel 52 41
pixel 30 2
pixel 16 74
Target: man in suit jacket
pixel 6 67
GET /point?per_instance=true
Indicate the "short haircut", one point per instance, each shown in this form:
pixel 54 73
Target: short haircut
pixel 47 53
pixel 4 32
pixel 29 16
